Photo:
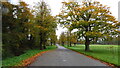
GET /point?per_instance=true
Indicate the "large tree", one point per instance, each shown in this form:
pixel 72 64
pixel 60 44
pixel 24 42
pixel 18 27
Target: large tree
pixel 93 20
pixel 45 22
pixel 14 26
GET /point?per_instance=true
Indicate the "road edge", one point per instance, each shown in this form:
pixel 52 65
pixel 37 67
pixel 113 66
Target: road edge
pixel 106 63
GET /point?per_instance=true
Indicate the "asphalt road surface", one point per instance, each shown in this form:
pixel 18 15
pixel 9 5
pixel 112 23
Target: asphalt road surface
pixel 65 57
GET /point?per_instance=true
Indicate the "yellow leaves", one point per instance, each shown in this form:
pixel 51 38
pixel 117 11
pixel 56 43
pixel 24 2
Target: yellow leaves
pixel 64 2
pixel 101 5
pixel 115 21
pixel 65 16
pixel 83 2
pixel 92 7
pixel 29 24
pixel 109 16
pixel 77 13
pixel 93 34
pixel 77 8
pixel 86 9
pixel 39 27
pixel 118 23
pixel 67 26
pixel 60 15
pixel 42 28
pixel 23 4
pixel 117 31
pixel 70 13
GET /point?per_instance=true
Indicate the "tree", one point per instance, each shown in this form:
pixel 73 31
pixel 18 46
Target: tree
pixel 93 20
pixel 53 38
pixel 17 16
pixel 62 39
pixel 23 28
pixel 74 38
pixel 45 22
pixel 69 38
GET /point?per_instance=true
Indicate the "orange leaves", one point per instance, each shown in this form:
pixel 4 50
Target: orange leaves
pixel 117 31
pixel 96 2
pixel 28 61
pixel 77 8
pixel 65 16
pixel 23 4
pixel 85 8
pixel 29 23
pixel 117 24
pixel 92 7
pixel 64 3
pixel 42 28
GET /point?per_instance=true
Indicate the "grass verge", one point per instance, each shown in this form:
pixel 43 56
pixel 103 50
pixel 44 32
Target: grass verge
pixel 14 61
pixel 106 53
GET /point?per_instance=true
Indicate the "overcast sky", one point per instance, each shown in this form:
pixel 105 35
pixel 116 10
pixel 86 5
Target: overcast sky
pixel 56 5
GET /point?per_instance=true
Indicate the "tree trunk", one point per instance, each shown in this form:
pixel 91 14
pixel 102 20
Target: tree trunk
pixel 51 43
pixel 62 43
pixel 70 39
pixel 41 41
pixel 87 43
pixel 54 42
pixel 41 45
pixel 44 44
pixel 70 44
pixel 44 47
pixel 74 44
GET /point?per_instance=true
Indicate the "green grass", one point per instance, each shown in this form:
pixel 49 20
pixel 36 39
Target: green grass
pixel 17 60
pixel 102 52
pixel 0 53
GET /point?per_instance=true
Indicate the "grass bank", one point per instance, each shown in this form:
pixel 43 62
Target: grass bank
pixel 17 59
pixel 106 53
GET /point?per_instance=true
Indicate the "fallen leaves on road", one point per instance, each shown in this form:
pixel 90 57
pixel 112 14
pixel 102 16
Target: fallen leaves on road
pixel 28 61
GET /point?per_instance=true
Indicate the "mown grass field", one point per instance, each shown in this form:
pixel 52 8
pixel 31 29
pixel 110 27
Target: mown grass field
pixel 107 53
pixel 17 59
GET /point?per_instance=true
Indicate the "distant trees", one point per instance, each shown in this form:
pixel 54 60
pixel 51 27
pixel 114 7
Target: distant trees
pixel 53 39
pixel 23 28
pixel 92 19
pixel 68 39
pixel 74 38
pixel 62 39
pixel 112 41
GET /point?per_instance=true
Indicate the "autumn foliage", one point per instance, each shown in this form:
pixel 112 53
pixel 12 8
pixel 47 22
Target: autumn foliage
pixel 25 28
pixel 93 20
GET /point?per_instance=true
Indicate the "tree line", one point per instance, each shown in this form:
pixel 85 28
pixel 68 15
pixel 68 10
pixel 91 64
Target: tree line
pixel 24 28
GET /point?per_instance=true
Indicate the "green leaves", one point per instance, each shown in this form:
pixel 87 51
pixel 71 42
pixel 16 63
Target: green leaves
pixel 93 34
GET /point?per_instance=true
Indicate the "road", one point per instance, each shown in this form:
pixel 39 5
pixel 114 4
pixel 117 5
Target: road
pixel 65 57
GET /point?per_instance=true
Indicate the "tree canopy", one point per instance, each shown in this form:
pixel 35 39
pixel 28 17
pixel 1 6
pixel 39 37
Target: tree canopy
pixel 93 20
pixel 24 28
